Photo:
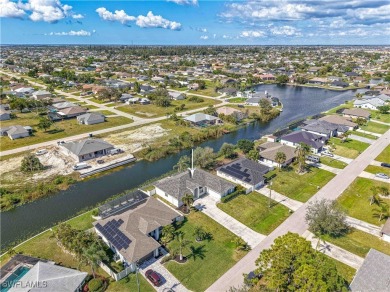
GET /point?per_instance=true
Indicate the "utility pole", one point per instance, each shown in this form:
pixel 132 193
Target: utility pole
pixel 136 274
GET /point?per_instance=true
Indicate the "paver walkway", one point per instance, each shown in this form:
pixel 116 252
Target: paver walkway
pixel 361 139
pixel 208 206
pixel 372 176
pixel 363 226
pixel 367 132
pixel 169 281
pixel 286 201
pixel 334 251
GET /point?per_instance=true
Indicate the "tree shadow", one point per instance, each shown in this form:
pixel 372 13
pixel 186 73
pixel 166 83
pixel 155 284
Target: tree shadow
pixel 55 131
pixel 197 252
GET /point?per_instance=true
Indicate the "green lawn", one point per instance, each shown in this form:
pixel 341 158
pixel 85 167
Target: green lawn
pixel 332 162
pixel 342 106
pixel 359 242
pixel 356 200
pixel 384 156
pixel 237 100
pixel 152 111
pixel 129 283
pixel 299 187
pixel 212 258
pixel 369 136
pixel 375 128
pixel 381 117
pixel 344 270
pixel 59 130
pixel 350 148
pixel 105 112
pixel 252 210
pixel 377 169
pixel 209 90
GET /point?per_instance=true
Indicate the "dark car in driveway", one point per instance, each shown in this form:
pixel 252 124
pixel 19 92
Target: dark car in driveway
pixel 384 164
pixel 153 277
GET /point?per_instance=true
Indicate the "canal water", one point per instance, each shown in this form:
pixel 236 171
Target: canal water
pixel 29 219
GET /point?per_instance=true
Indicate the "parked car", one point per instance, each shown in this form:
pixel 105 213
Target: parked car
pixel 115 151
pixel 153 277
pixel 384 164
pixel 80 165
pixel 313 158
pixel 327 153
pixel 100 161
pixel 60 142
pixel 41 152
pixel 382 175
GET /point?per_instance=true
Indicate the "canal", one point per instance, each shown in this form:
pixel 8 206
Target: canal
pixel 29 219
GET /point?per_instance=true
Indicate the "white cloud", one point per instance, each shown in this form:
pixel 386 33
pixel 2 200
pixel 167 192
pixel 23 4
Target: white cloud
pixel 285 30
pixel 204 37
pixel 46 10
pixel 77 16
pixel 252 34
pixel 82 33
pixel 10 9
pixel 227 37
pixel 151 20
pixel 185 2
pixel 119 15
pixel 338 23
pixel 377 13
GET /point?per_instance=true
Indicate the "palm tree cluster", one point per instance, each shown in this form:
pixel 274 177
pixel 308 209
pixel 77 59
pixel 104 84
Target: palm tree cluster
pixel 382 209
pixel 302 150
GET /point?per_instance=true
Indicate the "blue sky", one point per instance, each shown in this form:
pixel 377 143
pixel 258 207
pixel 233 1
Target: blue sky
pixel 196 22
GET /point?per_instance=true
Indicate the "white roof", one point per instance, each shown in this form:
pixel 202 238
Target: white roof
pixel 195 118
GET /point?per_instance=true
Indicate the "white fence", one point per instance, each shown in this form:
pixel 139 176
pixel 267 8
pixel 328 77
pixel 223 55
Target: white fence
pixel 116 276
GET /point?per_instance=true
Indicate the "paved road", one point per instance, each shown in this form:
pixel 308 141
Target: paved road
pixel 281 199
pixel 208 206
pixel 296 222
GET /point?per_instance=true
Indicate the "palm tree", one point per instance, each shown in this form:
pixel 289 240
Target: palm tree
pixel 183 163
pixel 182 242
pixel 374 198
pixel 280 158
pixel 302 150
pixel 240 244
pixel 93 255
pixel 383 212
pixel 187 200
pixel 167 233
pixel 199 233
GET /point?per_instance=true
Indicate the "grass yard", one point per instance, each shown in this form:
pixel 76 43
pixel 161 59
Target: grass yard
pixel 129 283
pixel 98 100
pixel 332 162
pixel 344 270
pixel 381 117
pixel 252 210
pixel 369 136
pixel 59 130
pixel 356 200
pixel 105 112
pixel 296 186
pixel 237 100
pixel 384 156
pixel 377 169
pixel 209 90
pixel 211 259
pixel 342 106
pixel 350 148
pixel 359 242
pixel 375 128
pixel 152 111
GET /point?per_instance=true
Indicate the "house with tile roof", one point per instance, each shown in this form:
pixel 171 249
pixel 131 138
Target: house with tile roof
pixel 355 113
pixel 268 150
pixel 316 142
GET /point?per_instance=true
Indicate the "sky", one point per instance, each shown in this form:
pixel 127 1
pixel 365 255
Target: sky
pixel 196 22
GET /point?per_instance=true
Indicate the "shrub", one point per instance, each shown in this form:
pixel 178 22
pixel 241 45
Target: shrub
pixel 95 285
pixel 239 191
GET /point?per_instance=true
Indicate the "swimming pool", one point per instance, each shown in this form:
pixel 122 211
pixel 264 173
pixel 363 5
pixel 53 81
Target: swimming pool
pixel 13 278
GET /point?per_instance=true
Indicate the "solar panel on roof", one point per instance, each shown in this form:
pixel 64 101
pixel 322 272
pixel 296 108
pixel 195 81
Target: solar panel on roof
pixel 112 233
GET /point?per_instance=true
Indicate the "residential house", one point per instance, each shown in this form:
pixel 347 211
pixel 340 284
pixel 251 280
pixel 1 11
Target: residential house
pixel 145 89
pixel 71 112
pixel 4 114
pixel 24 90
pixel 355 113
pixel 268 150
pixel 62 105
pixel 324 128
pixel 196 182
pixel 133 234
pixel 344 124
pixel 16 131
pixel 318 81
pixel 339 84
pixel 267 77
pixel 373 275
pixel 125 97
pixel 385 232
pixel 176 95
pixel 229 91
pixel 144 100
pixel 91 118
pixel 87 149
pixel 193 86
pixel 315 141
pixel 41 94
pixel 200 119
pixel 245 172
pixel 228 111
pixel 372 103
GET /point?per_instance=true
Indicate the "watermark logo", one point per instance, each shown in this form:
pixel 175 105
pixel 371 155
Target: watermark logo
pixel 24 284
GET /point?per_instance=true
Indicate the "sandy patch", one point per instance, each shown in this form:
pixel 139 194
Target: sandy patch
pixel 145 114
pixel 135 140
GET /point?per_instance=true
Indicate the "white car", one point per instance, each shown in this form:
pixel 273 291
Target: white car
pixel 327 153
pixel 41 152
pixel 382 175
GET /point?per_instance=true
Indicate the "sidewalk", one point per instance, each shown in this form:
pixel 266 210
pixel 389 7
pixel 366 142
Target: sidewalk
pixel 286 201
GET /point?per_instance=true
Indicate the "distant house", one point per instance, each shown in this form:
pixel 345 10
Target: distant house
pixel 315 141
pixel 4 115
pixel 24 90
pixel 339 84
pixel 228 91
pixel 133 234
pixel 62 105
pixel 71 112
pixel 16 132
pixel 196 182
pixel 41 94
pixel 146 89
pixel 385 232
pixel 144 101
pixel 355 113
pixel 176 95
pixel 193 86
pixel 254 101
pixel 373 275
pixel 87 149
pixel 324 128
pixel 200 119
pixel 267 77
pixel 268 150
pixel 318 81
pixel 372 103
pixel 228 111
pixel 91 119
pixel 245 172
pixel 342 122
pixel 125 97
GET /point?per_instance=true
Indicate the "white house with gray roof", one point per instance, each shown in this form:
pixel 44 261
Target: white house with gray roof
pixel 372 103
pixel 87 149
pixel 91 119
pixel 196 182
pixel 16 132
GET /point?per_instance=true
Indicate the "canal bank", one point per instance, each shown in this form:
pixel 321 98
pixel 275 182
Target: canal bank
pixel 32 218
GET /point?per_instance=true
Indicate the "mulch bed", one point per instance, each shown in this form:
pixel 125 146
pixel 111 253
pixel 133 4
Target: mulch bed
pixel 177 259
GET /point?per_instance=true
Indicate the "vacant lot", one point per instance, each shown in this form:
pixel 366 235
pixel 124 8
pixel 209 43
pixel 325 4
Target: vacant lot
pixel 253 211
pixel 375 128
pixel 59 130
pixel 209 90
pixel 296 186
pixel 359 242
pixel 377 169
pixel 384 156
pixel 356 200
pixel 381 117
pixel 332 162
pixel 350 148
pixel 208 259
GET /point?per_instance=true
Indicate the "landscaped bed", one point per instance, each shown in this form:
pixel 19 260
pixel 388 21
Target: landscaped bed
pixel 350 148
pixel 299 187
pixel 253 211
pixel 356 200
pixel 210 259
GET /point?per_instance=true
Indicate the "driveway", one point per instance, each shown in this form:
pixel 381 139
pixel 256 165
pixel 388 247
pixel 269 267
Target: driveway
pixel 372 176
pixel 208 206
pixel 370 133
pixel 363 226
pixel 361 139
pixel 341 158
pixel 286 201
pixel 169 281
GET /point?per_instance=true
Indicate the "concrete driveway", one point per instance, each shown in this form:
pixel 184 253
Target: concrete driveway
pixel 208 206
pixel 372 176
pixel 361 139
pixel 363 226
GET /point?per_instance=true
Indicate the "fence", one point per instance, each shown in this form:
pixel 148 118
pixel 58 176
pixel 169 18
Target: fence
pixel 116 276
